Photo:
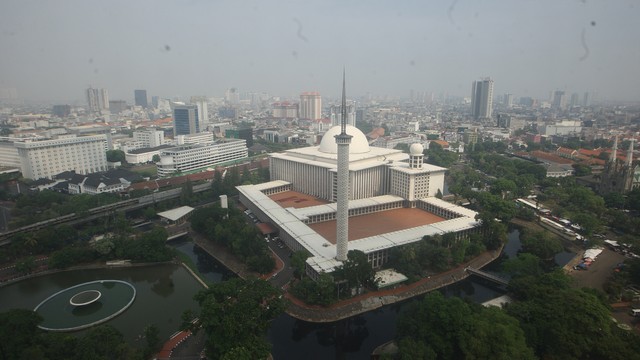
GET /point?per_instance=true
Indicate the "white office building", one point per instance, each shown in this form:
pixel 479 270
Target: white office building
pixel 310 106
pixel 46 158
pixel 187 158
pixel 149 138
pixel 203 111
pixel 97 100
pixel 202 138
pixel 9 156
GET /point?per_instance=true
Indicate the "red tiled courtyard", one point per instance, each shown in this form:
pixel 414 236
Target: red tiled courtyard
pixel 363 226
pixel 297 200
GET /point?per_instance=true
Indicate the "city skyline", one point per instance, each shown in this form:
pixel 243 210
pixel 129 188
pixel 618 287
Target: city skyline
pixel 528 48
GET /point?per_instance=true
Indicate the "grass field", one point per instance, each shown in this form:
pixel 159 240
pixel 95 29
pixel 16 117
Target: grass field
pixel 149 170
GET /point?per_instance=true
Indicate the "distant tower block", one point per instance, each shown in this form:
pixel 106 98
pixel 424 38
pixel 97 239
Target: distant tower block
pixel 342 217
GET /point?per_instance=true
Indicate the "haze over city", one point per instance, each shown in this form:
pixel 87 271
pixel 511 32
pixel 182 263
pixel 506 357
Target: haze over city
pixel 53 51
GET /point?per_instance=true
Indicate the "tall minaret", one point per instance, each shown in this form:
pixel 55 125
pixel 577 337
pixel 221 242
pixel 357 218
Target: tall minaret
pixel 630 153
pixel 342 217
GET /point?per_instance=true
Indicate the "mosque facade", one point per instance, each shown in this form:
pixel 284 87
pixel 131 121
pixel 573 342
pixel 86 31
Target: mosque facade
pixel 380 179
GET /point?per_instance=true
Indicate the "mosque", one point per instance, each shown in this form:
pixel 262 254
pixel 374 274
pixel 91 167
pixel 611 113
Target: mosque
pixel 346 195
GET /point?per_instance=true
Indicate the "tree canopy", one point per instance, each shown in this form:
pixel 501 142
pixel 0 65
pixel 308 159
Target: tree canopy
pixel 235 315
pixel 439 328
pixel 562 322
pixel 22 339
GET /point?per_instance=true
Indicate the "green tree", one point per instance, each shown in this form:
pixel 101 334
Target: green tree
pixel 633 199
pixel 156 158
pixel 152 335
pixel 560 322
pixel 103 246
pixel 439 328
pixel 150 213
pixel 523 264
pixel 116 156
pixel 26 266
pixel 504 188
pixel 236 314
pixel 541 244
pixel 403 147
pixel 581 170
pixel 103 342
pixel 18 330
pixel 357 270
pixel 614 200
pixel 321 292
pixel 298 262
pixel 187 193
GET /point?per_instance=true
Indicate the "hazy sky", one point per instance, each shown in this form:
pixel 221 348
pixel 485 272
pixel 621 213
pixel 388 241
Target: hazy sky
pixel 53 50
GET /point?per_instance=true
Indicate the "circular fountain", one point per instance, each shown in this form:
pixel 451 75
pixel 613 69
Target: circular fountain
pixel 84 305
pixel 85 297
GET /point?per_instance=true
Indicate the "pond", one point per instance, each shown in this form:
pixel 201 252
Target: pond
pixel 163 292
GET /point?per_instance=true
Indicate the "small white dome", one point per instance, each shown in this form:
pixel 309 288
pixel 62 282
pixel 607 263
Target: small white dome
pixel 416 149
pixel 359 143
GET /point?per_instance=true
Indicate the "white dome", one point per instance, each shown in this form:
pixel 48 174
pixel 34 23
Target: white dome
pixel 416 149
pixel 359 143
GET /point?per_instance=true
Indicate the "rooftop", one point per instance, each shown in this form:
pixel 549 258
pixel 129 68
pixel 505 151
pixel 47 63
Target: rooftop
pixel 177 213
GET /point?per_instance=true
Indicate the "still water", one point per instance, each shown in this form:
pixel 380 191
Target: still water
pixel 353 338
pixel 165 291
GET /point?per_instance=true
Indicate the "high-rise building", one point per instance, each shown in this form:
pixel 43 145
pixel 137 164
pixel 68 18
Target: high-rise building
pixel 246 134
pixel 508 100
pixel 61 111
pixel 482 99
pixel 203 111
pixel 46 158
pixel 98 100
pixel 285 110
pixel 232 96
pixel 586 100
pixel 141 98
pixel 310 106
pixel 117 106
pixel 575 100
pixel 155 101
pixel 185 119
pixel 149 138
pixel 336 114
pixel 559 100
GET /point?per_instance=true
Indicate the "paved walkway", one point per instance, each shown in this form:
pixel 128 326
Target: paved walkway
pixel 167 348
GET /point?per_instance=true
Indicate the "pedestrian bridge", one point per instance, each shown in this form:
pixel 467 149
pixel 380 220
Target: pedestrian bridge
pixel 177 235
pixel 487 276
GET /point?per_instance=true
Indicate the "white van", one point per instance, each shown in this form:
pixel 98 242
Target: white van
pixel 635 312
